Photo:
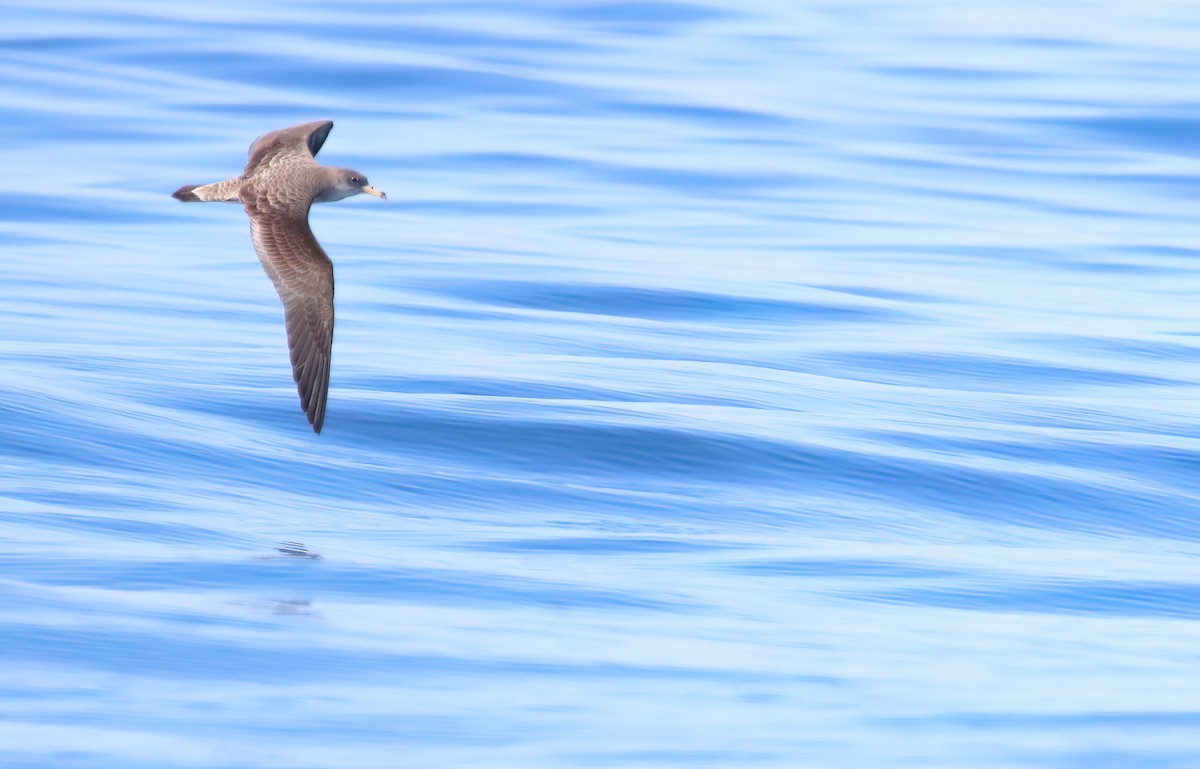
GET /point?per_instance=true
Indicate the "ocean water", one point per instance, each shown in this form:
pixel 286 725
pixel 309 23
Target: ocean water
pixel 769 384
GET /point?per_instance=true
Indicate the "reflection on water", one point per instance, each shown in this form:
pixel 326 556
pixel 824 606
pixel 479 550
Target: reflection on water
pixel 773 385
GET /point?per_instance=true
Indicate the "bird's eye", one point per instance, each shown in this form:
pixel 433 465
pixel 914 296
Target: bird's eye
pixel 355 179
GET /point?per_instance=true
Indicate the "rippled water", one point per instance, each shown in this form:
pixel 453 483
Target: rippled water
pixel 775 385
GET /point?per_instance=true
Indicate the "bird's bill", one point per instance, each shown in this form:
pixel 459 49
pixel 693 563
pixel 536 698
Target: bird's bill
pixel 372 191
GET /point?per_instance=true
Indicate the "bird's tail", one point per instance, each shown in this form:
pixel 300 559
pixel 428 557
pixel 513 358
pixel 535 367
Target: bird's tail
pixel 223 192
pixel 187 193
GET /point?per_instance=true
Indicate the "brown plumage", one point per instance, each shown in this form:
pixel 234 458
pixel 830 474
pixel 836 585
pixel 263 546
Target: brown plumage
pixel 281 182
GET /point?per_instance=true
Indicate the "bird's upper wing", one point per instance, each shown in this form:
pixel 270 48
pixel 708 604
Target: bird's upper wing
pixel 303 276
pixel 301 142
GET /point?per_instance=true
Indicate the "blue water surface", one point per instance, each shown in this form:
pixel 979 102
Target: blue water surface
pixel 772 384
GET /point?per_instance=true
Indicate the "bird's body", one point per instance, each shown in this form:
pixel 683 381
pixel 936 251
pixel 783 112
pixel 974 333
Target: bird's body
pixel 281 181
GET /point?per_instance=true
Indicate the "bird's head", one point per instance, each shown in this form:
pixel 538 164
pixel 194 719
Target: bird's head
pixel 344 182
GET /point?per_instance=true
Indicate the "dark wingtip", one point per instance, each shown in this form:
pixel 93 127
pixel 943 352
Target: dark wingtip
pixel 185 193
pixel 316 416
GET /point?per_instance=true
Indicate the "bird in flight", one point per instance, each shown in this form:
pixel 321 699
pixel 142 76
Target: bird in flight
pixel 281 181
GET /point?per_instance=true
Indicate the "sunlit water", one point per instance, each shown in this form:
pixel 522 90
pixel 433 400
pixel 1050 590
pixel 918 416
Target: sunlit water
pixel 792 384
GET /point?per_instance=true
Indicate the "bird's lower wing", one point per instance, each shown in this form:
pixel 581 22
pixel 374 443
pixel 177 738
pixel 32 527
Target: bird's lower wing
pixel 303 276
